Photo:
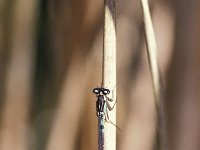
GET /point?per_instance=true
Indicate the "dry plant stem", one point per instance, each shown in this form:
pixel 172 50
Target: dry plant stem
pixel 154 68
pixel 109 69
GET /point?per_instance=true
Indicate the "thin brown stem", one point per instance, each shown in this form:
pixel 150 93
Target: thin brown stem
pixel 155 74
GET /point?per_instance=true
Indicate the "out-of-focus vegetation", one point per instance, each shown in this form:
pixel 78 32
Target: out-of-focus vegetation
pixel 51 59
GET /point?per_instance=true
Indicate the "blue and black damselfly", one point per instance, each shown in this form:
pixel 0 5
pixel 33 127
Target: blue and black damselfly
pixel 102 107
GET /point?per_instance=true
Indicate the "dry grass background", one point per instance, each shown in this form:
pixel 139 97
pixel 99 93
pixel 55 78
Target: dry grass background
pixel 50 60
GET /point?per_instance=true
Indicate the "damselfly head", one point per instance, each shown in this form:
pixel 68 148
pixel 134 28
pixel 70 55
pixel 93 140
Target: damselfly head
pixel 102 91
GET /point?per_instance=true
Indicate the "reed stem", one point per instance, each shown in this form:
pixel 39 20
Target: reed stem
pixel 109 69
pixel 156 77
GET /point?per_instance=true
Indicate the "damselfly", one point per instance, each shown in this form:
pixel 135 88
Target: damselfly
pixel 102 107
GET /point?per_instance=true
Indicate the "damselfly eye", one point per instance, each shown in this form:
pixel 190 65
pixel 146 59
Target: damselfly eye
pixel 96 90
pixel 106 91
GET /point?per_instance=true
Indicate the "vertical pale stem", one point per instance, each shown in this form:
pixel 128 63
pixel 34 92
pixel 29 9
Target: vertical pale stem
pixel 154 68
pixel 151 49
pixel 109 69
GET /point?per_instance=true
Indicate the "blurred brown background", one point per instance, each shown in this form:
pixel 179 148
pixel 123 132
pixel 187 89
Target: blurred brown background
pixel 50 60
